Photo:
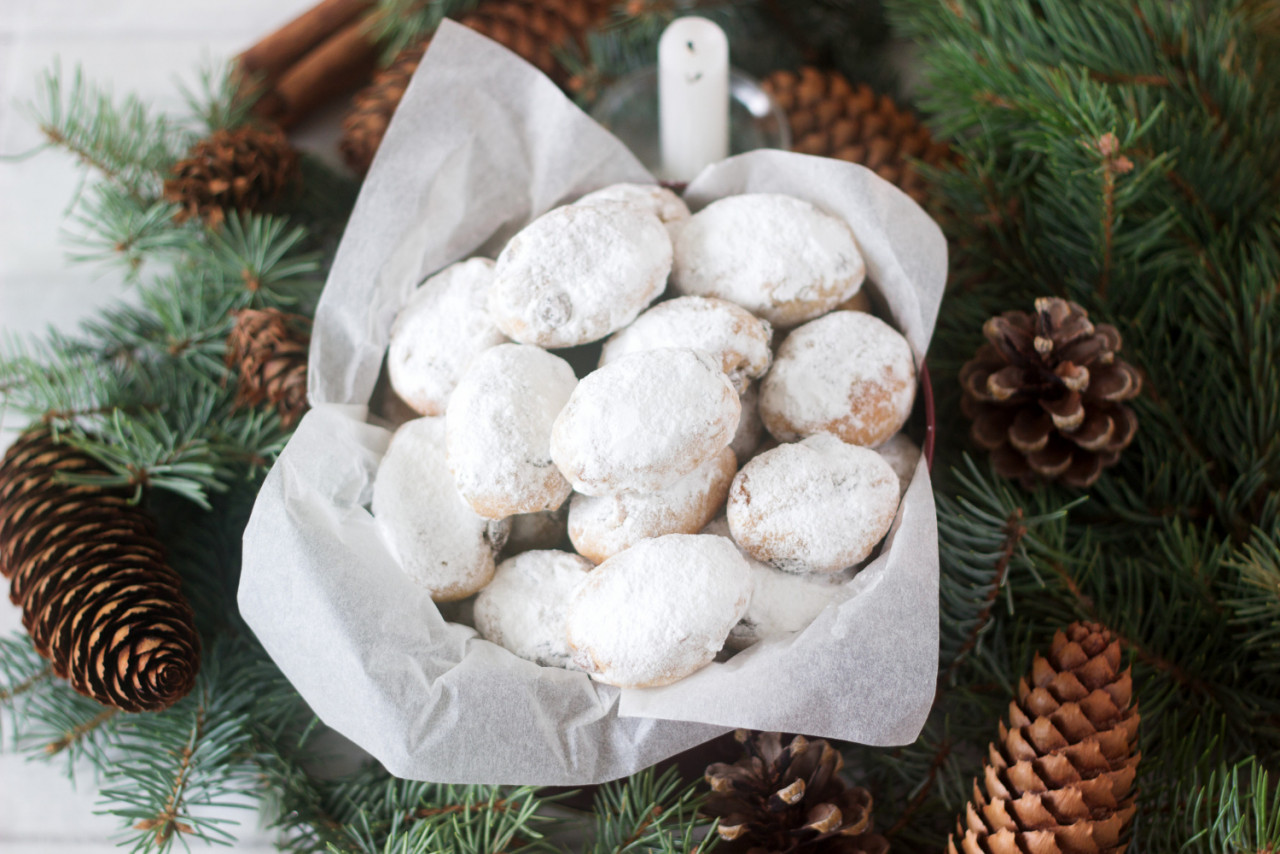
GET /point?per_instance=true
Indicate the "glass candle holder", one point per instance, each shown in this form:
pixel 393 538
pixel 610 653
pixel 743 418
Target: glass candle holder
pixel 629 109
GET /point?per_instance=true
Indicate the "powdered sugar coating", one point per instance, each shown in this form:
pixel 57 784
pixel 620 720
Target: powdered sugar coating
pixel 643 422
pixel 739 339
pixel 849 374
pixel 443 326
pixel 523 609
pixel 600 527
pixel 902 455
pixel 658 611
pixel 437 538
pixel 746 440
pixel 782 603
pixel 656 199
pixel 777 256
pixel 816 506
pixel 579 272
pixel 499 430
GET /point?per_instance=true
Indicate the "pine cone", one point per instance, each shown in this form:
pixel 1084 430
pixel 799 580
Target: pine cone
pixel 831 118
pixel 96 594
pixel 245 169
pixel 1061 779
pixel 269 349
pixel 1046 393
pixel 789 797
pixel 534 30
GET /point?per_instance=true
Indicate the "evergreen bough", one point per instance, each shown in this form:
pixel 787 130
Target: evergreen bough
pixel 1119 154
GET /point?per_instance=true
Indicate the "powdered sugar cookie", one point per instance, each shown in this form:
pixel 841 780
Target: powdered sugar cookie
pixel 848 374
pixel 600 527
pixel 782 603
pixel 437 538
pixel 643 422
pixel 816 506
pixel 443 326
pixel 523 608
pixel 903 456
pixel 746 440
pixel 499 430
pixel 537 531
pixel 579 272
pixel 739 339
pixel 658 611
pixel 777 256
pixel 656 199
pixel 861 301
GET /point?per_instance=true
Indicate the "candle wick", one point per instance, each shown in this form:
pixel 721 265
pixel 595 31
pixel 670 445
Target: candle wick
pixel 689 44
pixel 693 78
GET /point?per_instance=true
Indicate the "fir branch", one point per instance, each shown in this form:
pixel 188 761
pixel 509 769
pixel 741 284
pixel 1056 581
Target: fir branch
pixel 647 812
pixel 78 733
pixel 125 143
pixel 116 226
pixel 174 774
pixel 261 258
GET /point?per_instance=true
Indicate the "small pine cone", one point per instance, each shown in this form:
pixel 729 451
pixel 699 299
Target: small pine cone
pixel 1046 394
pixel 90 576
pixel 781 798
pixel 1061 779
pixel 269 350
pixel 534 30
pixel 832 118
pixel 245 169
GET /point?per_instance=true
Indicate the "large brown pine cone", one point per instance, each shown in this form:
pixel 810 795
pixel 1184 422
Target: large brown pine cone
pixel 244 169
pixel 269 350
pixel 832 118
pixel 1060 780
pixel 534 30
pixel 96 594
pixel 1046 394
pixel 784 797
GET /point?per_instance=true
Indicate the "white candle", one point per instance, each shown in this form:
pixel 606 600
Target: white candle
pixel 693 97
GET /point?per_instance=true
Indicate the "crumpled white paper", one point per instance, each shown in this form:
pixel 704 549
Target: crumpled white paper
pixel 481 144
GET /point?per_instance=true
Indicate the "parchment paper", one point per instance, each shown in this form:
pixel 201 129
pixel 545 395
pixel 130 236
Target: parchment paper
pixel 483 143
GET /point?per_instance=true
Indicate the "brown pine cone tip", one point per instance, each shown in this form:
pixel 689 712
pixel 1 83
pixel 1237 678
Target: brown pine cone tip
pixel 268 348
pixel 1060 780
pixel 781 798
pixel 535 31
pixel 244 169
pixel 96 594
pixel 832 118
pixel 1046 394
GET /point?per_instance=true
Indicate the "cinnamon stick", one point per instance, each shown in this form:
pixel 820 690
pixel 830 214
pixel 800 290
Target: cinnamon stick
pixel 342 62
pixel 274 54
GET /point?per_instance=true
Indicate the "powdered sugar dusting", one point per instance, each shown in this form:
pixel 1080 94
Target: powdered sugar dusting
pixel 523 609
pixel 437 538
pixel 600 527
pixel 658 611
pixel 849 374
pixel 816 506
pixel 443 326
pixel 499 430
pixel 656 199
pixel 641 423
pixel 782 603
pixel 579 272
pixel 739 339
pixel 778 256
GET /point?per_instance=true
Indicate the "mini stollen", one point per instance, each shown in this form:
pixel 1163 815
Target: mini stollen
pixel 476 152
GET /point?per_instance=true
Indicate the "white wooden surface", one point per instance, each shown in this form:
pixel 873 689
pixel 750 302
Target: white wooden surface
pixel 137 46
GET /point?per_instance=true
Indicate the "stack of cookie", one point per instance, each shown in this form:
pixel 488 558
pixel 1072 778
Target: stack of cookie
pixel 692 532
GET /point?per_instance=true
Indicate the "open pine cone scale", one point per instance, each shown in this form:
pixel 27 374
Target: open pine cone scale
pixel 1045 394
